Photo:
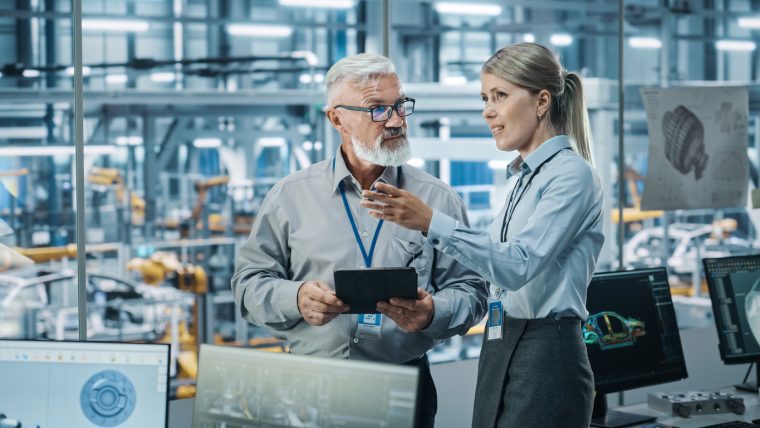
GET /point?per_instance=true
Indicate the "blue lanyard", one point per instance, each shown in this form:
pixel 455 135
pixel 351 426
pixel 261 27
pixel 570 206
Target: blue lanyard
pixel 367 257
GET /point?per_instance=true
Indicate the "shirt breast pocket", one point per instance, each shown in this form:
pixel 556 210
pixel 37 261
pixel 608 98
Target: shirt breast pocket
pixel 417 254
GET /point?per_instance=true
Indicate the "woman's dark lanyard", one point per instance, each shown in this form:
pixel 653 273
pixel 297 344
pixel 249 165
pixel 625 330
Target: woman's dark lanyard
pixel 367 256
pixel 511 208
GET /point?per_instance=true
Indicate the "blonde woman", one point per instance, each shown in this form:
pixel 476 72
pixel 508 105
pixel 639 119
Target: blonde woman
pixel 539 254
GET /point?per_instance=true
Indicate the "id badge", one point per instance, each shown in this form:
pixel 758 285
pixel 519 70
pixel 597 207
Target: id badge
pixel 370 326
pixel 495 320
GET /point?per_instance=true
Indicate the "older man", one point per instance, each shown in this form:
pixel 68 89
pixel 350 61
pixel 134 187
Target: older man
pixel 311 223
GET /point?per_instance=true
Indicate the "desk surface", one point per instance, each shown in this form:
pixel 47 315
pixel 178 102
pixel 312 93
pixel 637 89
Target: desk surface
pixel 751 402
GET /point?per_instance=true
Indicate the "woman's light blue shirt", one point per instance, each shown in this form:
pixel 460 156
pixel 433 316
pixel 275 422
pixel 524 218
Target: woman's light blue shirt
pixel 553 240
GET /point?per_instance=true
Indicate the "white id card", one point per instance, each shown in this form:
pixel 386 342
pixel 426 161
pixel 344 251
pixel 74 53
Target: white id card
pixel 495 324
pixel 370 326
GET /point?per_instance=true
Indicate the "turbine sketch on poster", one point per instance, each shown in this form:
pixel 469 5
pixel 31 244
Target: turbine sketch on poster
pixel 697 147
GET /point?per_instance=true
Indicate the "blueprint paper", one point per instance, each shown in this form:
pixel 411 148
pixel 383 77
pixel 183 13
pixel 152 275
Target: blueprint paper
pixel 697 147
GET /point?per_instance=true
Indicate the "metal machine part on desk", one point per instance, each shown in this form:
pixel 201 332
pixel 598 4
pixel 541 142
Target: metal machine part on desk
pixel 685 404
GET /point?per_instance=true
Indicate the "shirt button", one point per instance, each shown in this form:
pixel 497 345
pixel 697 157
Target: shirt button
pixel 365 234
pixel 356 340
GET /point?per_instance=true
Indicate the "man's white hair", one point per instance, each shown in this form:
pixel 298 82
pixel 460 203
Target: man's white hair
pixel 357 69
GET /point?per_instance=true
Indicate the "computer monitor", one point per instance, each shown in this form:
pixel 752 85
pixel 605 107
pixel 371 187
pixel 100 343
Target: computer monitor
pixel 631 336
pixel 250 388
pixel 49 384
pixel 734 284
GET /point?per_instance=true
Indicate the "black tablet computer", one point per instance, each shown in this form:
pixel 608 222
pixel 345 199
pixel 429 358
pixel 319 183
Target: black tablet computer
pixel 361 289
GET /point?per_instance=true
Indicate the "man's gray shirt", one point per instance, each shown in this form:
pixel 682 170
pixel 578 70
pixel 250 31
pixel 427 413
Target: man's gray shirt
pixel 303 233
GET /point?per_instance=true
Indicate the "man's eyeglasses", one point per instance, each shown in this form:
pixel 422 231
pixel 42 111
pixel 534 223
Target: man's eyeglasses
pixel 403 108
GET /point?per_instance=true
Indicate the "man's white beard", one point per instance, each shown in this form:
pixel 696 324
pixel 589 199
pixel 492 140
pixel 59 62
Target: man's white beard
pixel 378 155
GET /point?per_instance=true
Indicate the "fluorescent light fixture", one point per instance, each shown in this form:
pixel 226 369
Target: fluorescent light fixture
pixel 116 79
pixel 307 145
pixel 561 39
pixel 259 30
pixel 747 22
pixel 416 162
pixel 468 9
pixel 735 45
pixel 132 140
pixel 318 146
pixel 305 78
pixel 85 71
pixel 23 132
pixel 31 73
pixel 318 77
pixel 207 143
pixel 322 4
pixel 498 164
pixel 271 142
pixel 162 77
pixel 54 150
pixel 454 80
pixel 644 43
pixel 131 25
pixel 529 38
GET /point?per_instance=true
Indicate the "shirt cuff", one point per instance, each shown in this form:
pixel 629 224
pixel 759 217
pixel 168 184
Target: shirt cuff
pixel 440 321
pixel 287 299
pixel 441 227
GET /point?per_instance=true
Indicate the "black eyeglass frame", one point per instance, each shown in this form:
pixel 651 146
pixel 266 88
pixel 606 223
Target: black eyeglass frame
pixel 391 109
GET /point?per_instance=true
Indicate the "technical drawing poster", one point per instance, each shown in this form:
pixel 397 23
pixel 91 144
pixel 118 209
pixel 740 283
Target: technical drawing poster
pixel 697 147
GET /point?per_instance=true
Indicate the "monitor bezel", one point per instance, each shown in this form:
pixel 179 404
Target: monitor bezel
pixel 650 379
pixel 722 346
pixel 166 346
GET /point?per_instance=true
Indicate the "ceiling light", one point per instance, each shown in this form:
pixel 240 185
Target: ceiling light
pixel 259 30
pixel 561 39
pixel 271 142
pixel 454 80
pixel 116 79
pixel 324 4
pixel 85 71
pixel 753 22
pixel 305 78
pixel 207 143
pixel 318 146
pixel 132 140
pixel 162 77
pixel 735 45
pixel 31 73
pixel 54 150
pixel 468 9
pixel 529 38
pixel 644 43
pixel 131 25
pixel 307 145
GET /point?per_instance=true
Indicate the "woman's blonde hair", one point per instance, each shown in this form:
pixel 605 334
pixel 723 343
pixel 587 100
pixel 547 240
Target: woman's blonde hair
pixel 534 67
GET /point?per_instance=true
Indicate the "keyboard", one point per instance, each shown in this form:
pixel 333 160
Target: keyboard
pixel 733 424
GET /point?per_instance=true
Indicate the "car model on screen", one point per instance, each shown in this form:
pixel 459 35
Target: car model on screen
pixel 611 330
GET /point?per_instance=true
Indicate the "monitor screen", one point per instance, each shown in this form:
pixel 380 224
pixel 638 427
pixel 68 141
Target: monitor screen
pixel 734 284
pixel 249 388
pixel 84 384
pixel 631 332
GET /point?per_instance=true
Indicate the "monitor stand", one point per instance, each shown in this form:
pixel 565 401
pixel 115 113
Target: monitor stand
pixel 751 386
pixel 601 417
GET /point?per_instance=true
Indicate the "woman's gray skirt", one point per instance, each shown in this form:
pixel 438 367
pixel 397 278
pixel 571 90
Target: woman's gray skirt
pixel 538 375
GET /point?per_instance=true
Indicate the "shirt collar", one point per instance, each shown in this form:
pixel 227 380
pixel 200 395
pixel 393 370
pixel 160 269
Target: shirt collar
pixel 390 175
pixel 539 156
